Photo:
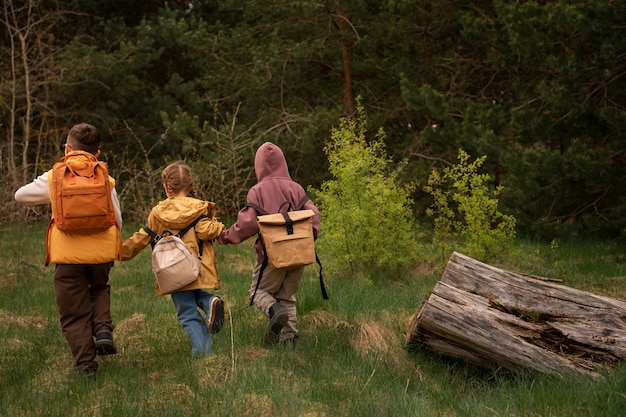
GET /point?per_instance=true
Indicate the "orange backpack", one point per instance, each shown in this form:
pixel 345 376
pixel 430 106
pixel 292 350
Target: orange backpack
pixel 81 202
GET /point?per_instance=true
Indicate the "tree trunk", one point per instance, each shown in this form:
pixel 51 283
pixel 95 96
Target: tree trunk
pixel 496 318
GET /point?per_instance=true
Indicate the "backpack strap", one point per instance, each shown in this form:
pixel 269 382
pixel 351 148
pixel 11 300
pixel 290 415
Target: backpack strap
pixel 302 202
pixel 261 212
pixel 299 206
pixel 289 207
pixel 258 281
pixel 155 237
pixel 322 286
pixel 257 208
pixel 186 229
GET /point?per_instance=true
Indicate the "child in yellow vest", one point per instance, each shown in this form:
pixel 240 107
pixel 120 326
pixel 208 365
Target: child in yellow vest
pixel 82 261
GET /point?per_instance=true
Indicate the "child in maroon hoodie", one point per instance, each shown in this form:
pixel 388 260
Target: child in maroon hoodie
pixel 274 295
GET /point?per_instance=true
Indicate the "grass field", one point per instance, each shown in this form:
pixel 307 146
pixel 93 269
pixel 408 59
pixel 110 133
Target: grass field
pixel 350 360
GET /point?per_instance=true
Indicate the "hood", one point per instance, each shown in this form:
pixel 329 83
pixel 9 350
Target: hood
pixel 178 212
pixel 81 162
pixel 270 162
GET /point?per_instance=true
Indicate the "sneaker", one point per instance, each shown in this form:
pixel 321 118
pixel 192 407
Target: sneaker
pixel 104 344
pixel 278 320
pixel 215 319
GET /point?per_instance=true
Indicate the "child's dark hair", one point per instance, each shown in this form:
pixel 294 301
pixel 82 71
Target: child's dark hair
pixel 84 137
pixel 177 177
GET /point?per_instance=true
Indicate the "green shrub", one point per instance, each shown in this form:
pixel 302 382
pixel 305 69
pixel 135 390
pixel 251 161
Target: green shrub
pixel 465 210
pixel 366 214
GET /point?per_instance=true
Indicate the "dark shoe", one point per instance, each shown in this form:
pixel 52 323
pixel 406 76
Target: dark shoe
pixel 104 344
pixel 278 320
pixel 215 320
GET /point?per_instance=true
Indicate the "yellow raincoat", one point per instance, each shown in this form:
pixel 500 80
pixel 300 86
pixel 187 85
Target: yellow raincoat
pixel 174 214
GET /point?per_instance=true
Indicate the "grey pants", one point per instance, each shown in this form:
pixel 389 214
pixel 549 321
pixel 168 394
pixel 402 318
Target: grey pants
pixel 278 285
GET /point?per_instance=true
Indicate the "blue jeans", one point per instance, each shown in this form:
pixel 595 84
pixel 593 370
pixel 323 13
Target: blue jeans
pixel 194 324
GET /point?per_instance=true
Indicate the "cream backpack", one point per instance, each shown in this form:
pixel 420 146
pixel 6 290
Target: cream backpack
pixel 174 265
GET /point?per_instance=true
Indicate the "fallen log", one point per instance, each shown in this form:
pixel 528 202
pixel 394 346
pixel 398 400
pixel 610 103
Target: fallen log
pixel 496 318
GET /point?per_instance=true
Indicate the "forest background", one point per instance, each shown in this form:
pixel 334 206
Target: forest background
pixel 537 87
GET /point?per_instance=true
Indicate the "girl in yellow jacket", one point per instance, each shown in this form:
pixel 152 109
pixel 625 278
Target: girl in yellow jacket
pixel 175 213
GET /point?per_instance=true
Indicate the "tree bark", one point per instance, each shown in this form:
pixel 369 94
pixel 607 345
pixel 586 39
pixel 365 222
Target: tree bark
pixel 496 318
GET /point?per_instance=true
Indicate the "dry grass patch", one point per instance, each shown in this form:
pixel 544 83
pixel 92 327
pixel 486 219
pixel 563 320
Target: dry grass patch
pixel 250 354
pixel 167 393
pixel 59 367
pixel 129 330
pixel 348 381
pixel 315 413
pixel 9 280
pixel 94 411
pixel 368 337
pixel 16 345
pixel 371 338
pixel 23 322
pixel 258 405
pixel 131 325
pixel 214 370
pixel 321 318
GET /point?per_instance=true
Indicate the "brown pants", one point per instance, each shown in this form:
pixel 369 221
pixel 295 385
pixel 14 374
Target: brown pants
pixel 83 299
